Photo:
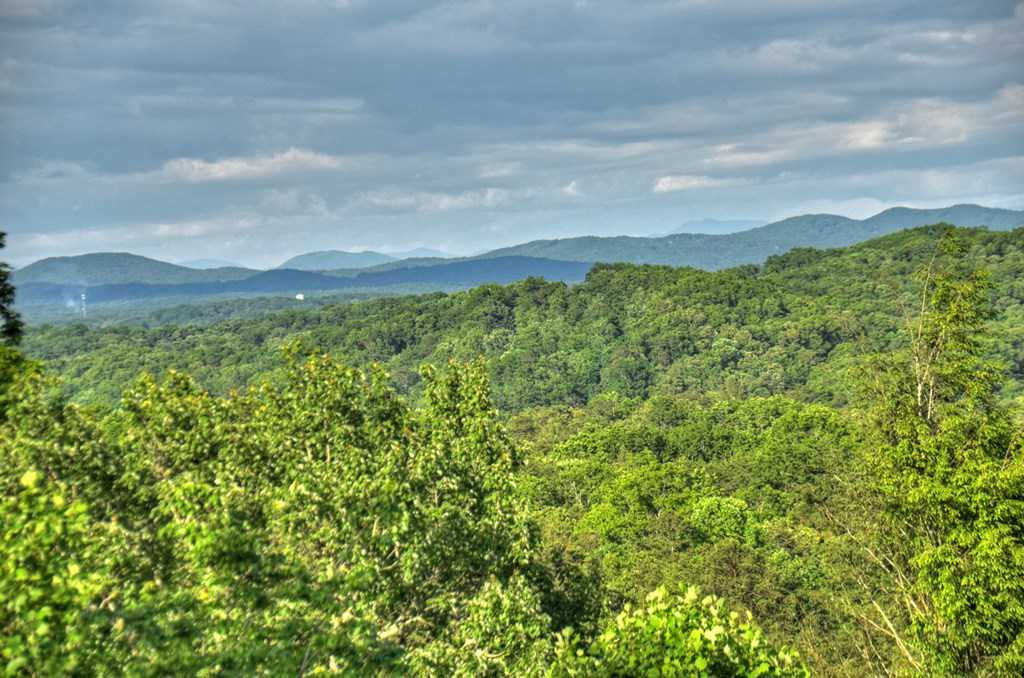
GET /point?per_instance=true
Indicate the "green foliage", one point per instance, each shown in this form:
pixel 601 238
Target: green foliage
pixel 49 589
pixel 320 525
pixel 201 311
pixel 677 635
pixel 728 495
pixel 661 426
pixel 14 368
pixel 503 631
pixel 951 475
pixel 717 518
pixel 10 323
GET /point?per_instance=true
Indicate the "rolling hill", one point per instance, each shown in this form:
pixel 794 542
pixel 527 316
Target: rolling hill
pixel 114 268
pixel 712 252
pixel 332 259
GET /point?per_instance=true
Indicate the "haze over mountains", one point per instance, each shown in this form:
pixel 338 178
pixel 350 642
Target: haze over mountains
pixel 459 274
pixel 329 259
pixel 419 253
pixel 716 226
pixel 209 263
pixel 121 276
pixel 341 260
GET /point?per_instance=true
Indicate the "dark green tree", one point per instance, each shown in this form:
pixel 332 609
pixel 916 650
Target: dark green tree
pixel 10 329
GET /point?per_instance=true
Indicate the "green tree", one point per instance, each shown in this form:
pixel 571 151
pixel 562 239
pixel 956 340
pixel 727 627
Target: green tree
pixel 677 635
pixel 320 525
pixel 48 582
pixel 10 322
pixel 951 472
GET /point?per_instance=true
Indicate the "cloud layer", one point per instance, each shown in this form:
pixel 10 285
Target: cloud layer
pixel 255 131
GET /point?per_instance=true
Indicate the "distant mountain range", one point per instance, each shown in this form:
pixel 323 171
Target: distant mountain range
pixel 115 275
pixel 340 260
pixel 330 259
pixel 459 274
pixel 711 252
pixel 106 268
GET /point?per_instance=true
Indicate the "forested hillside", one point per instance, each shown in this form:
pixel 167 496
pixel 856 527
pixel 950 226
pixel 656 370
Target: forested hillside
pixel 788 327
pixel 205 311
pixel 603 479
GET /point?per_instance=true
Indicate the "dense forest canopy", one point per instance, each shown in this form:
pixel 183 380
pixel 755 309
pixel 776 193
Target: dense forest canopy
pixel 811 466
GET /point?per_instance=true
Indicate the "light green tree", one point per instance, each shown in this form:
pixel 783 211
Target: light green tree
pixel 318 526
pixel 676 634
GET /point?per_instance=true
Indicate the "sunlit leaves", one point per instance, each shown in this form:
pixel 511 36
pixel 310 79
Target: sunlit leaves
pixel 676 634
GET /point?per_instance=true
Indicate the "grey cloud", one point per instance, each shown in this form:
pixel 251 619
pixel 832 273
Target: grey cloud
pixel 167 126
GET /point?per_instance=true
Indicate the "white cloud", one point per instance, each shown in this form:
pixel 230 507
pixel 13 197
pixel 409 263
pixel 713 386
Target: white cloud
pixel 28 8
pixel 917 123
pixel 688 182
pixel 497 170
pixel 52 171
pixel 571 189
pixel 737 155
pixel 294 201
pixel 119 236
pixel 581 149
pixel 192 170
pixel 801 56
pixel 263 108
pixel 855 208
pixel 195 170
pixel 994 183
pixel 438 202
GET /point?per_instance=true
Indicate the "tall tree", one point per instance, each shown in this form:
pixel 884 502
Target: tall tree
pixel 951 474
pixel 10 329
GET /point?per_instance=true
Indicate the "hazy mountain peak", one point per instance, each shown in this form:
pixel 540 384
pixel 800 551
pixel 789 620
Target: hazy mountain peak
pixel 326 260
pixel 105 268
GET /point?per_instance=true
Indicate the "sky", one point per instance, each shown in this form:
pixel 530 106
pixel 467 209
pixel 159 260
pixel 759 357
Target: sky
pixel 253 130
